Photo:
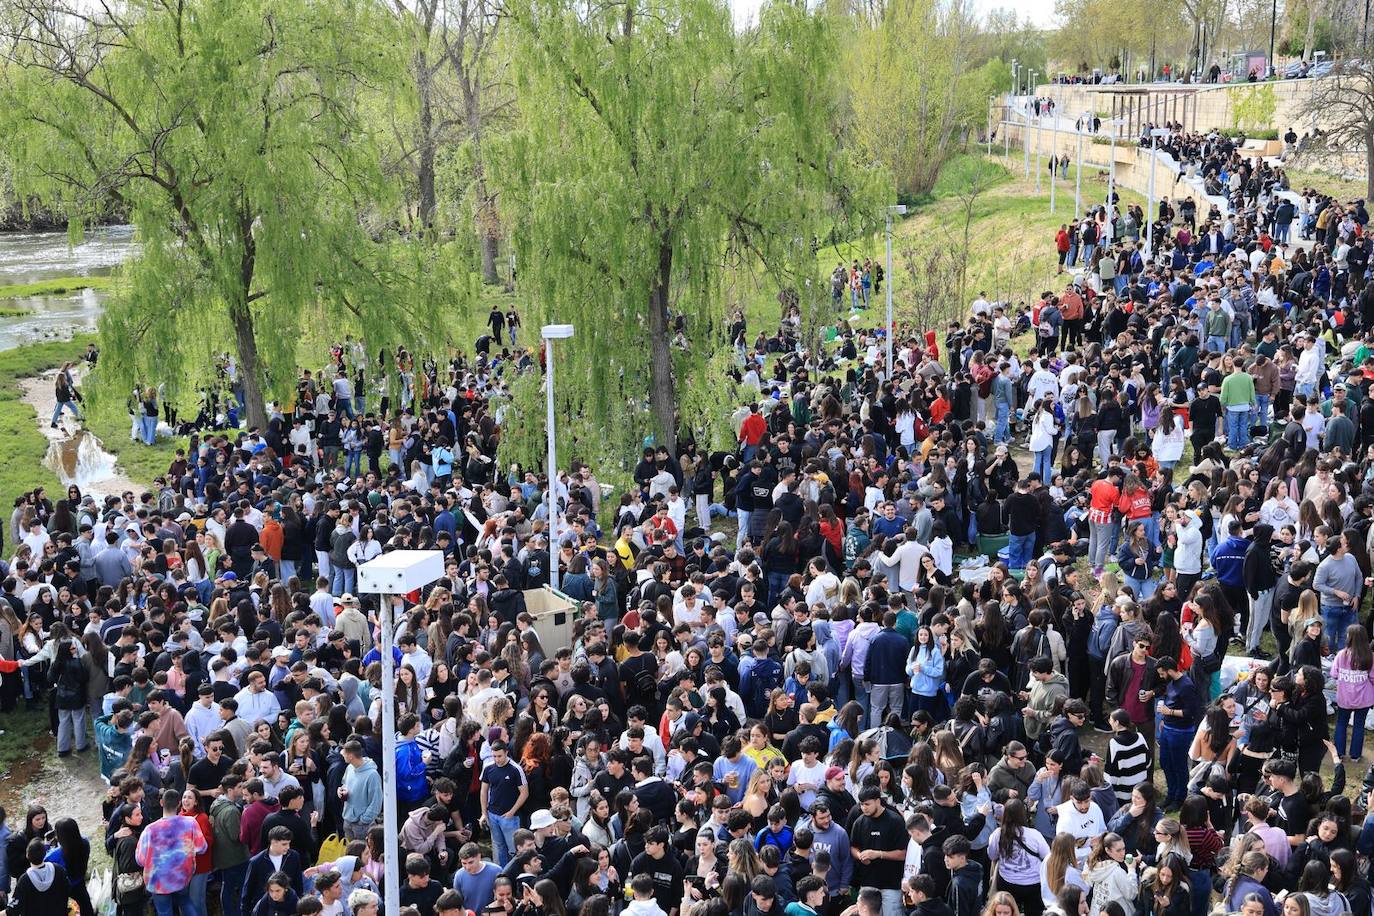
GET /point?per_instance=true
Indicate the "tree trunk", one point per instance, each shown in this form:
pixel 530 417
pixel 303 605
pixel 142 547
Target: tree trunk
pixel 1310 38
pixel 488 224
pixel 425 170
pixel 246 345
pixel 662 390
pixel 490 249
pixel 1369 165
pixel 241 315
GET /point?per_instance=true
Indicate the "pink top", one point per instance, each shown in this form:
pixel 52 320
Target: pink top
pixel 1354 689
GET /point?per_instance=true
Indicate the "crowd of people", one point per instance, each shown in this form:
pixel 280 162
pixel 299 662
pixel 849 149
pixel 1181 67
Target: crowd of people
pixel 878 697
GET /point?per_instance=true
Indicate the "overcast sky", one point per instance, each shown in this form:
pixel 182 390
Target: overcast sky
pixel 1041 12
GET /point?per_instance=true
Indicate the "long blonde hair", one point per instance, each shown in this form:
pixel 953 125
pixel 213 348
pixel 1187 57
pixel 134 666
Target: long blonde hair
pixel 1063 853
pixel 1111 586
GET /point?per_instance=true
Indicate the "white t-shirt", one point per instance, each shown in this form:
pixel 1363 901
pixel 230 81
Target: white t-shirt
pixel 1084 826
pixel 815 775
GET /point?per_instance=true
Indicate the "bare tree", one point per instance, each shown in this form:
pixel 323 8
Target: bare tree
pixel 1343 104
pixel 459 98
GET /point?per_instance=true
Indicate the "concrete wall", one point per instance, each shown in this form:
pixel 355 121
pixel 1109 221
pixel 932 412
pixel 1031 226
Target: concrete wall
pixel 1200 108
pixel 1132 162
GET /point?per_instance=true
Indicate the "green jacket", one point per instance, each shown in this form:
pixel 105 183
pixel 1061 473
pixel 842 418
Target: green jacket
pixel 226 851
pixel 1237 389
pixel 1218 323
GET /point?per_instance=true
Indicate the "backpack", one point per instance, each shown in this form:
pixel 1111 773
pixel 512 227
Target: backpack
pixel 1100 639
pixel 763 677
pixel 645 683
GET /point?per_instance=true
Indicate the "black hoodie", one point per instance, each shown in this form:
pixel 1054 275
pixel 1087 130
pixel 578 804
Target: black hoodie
pixel 41 890
pixel 965 892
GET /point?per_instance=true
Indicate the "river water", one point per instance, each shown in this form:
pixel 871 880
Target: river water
pixel 26 257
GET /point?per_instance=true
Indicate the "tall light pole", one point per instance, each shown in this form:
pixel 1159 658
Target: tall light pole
pixel 1025 140
pixel 1155 134
pixel 1030 84
pixel 1054 154
pixel 1111 180
pixel 1078 179
pixel 991 99
pixel 399 572
pixel 888 212
pixel 1006 133
pixel 550 333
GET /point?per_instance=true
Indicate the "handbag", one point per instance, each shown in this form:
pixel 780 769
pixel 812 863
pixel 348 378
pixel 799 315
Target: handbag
pixel 128 885
pixel 331 849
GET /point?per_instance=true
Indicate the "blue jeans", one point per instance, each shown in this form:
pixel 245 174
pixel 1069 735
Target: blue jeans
pixel 1237 429
pixel 1281 232
pixel 1088 254
pixel 1216 343
pixel 1143 588
pixel 148 428
pixel 1019 548
pixel 1343 717
pixel 1335 618
pixel 502 837
pixel 70 405
pixel 288 569
pixel 1173 759
pixel 743 532
pixel 342 580
pixel 1306 389
pixel 197 891
pixel 1002 432
pixel 777 583
pixel 169 904
pixel 1262 409
pixel 231 889
pixel 353 462
pixel 1044 464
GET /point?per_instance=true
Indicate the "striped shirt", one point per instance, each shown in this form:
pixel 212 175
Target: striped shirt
pixel 1128 764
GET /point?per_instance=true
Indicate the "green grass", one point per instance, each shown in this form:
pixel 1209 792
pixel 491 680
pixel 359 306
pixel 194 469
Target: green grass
pixel 54 287
pixel 1342 189
pixel 13 311
pixel 21 460
pixel 25 729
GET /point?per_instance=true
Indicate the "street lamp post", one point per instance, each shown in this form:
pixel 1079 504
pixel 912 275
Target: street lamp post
pixel 399 572
pixel 1029 89
pixel 1155 134
pixel 1054 154
pixel 899 210
pixel 550 333
pixel 1078 178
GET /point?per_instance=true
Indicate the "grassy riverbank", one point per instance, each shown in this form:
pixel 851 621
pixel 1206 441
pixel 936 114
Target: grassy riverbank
pixel 21 460
pixel 57 286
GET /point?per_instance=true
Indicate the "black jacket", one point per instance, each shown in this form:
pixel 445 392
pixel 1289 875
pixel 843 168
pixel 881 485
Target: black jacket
pixel 965 892
pixel 260 869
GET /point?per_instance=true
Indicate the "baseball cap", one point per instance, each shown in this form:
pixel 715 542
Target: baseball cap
pixel 833 773
pixel 229 577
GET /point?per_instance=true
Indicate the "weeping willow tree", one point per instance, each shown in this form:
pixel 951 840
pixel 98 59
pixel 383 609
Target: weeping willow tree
pixel 653 140
pixel 231 132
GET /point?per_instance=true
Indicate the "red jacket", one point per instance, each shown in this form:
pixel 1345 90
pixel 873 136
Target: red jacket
pixel 752 429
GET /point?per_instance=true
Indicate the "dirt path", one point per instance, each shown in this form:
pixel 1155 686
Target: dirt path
pixel 66 786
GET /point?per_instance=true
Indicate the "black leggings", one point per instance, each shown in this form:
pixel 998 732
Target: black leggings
pixel 1027 896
